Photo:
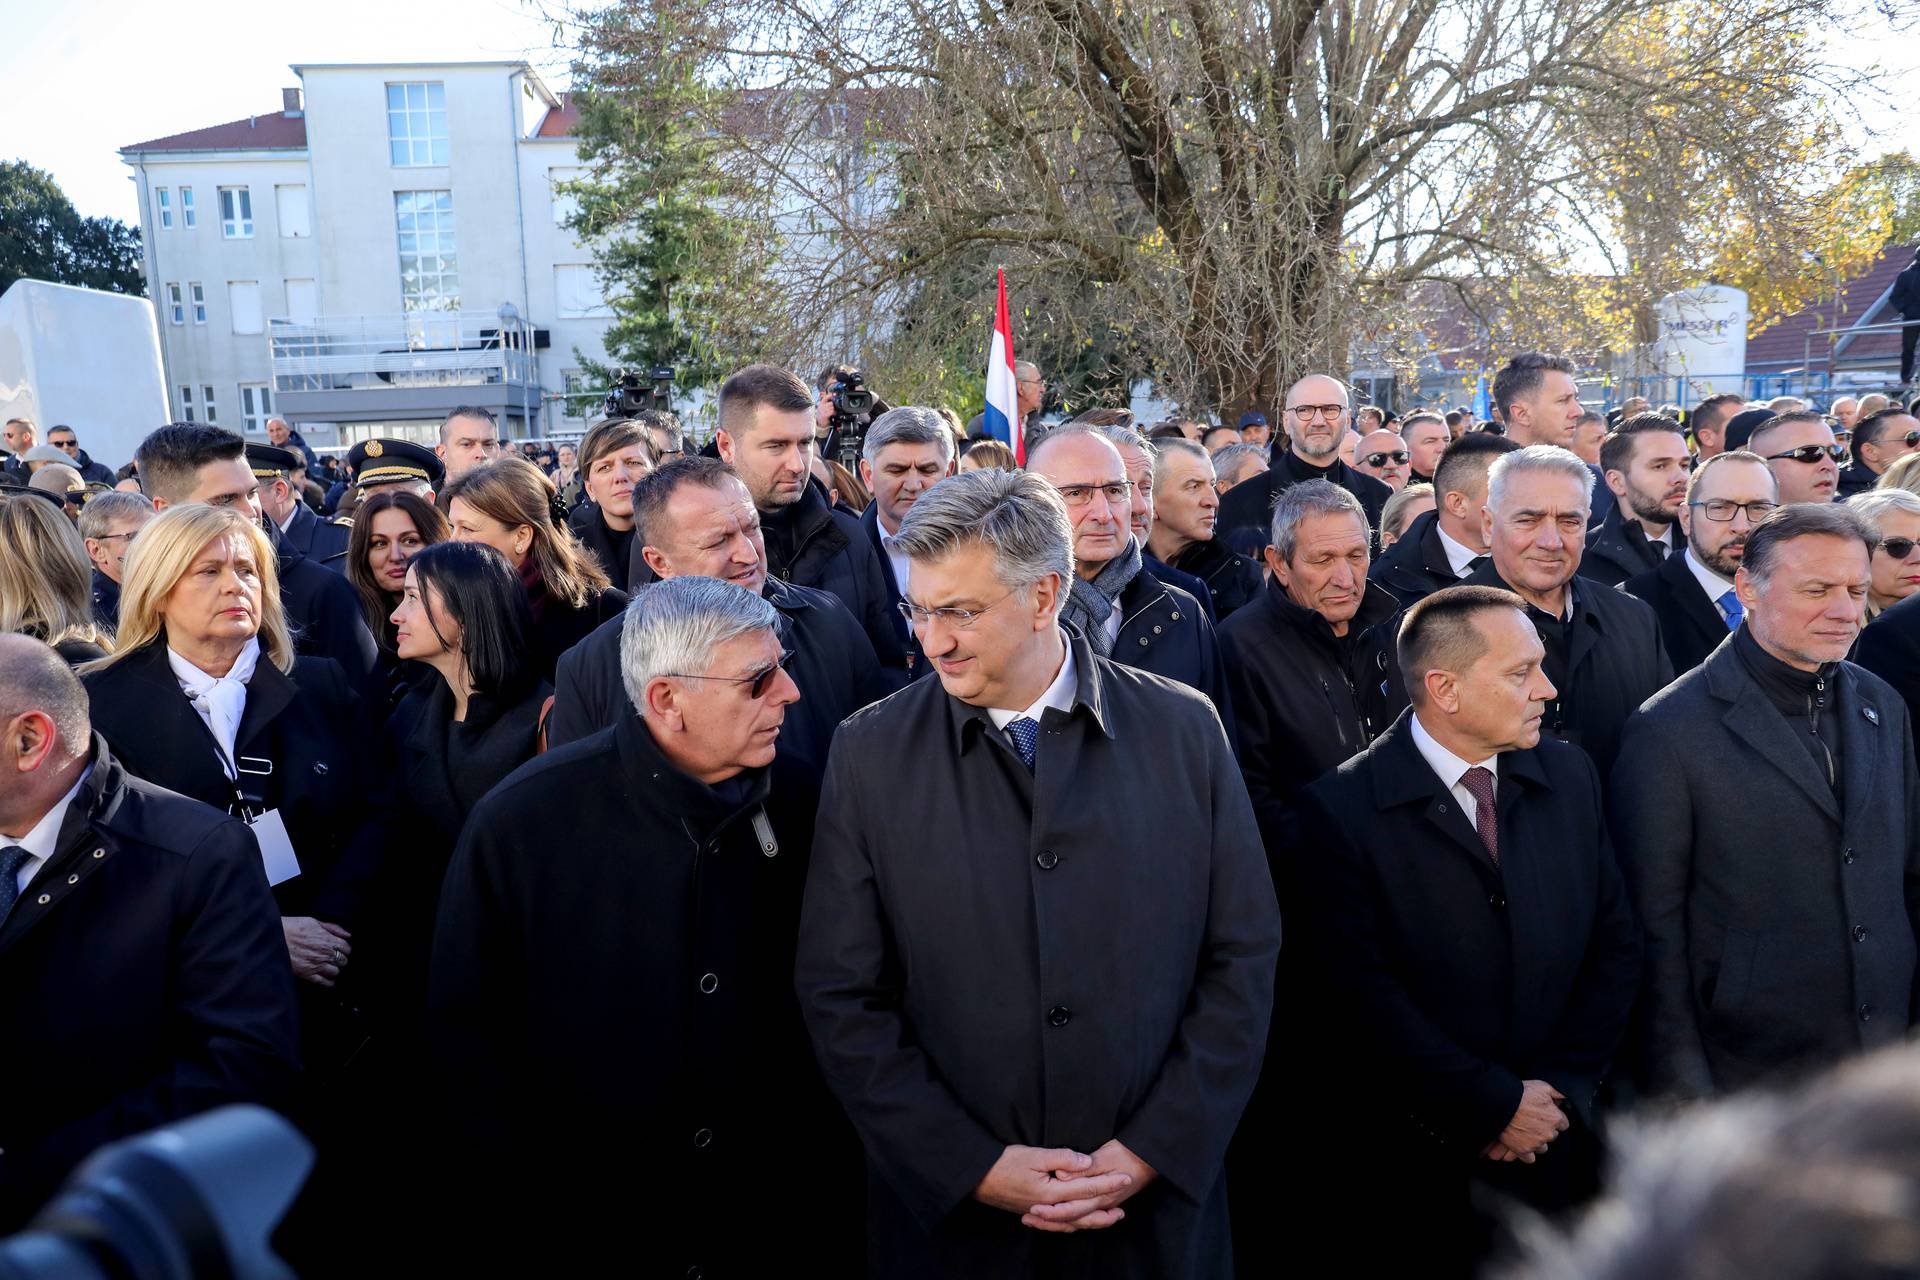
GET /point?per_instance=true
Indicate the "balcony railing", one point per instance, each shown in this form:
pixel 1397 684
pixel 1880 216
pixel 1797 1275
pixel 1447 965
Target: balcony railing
pixel 411 349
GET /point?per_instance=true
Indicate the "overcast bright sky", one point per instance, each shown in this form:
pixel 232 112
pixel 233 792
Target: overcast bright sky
pixel 86 77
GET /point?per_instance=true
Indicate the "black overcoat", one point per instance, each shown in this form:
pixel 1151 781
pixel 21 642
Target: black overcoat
pixel 1889 647
pixel 1780 919
pixel 1059 958
pixel 1166 631
pixel 324 613
pixel 590 527
pixel 558 626
pixel 1416 565
pixel 1618 548
pixel 1690 624
pixel 1249 504
pixel 1231 581
pixel 143 978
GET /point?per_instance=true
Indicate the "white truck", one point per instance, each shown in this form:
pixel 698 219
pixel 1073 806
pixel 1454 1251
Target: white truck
pixel 84 358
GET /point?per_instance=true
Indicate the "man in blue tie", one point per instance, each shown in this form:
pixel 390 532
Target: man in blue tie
pixel 1693 592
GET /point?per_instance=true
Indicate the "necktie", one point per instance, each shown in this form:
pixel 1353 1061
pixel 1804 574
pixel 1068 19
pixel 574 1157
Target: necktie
pixel 1730 603
pixel 12 858
pixel 1025 733
pixel 1479 784
pixel 1659 550
pixel 1476 564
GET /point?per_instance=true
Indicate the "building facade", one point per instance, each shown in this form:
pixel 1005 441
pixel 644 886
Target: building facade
pixel 388 245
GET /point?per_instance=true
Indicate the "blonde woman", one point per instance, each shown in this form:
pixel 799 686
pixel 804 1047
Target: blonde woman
pixel 46 588
pixel 204 696
pixel 509 505
pixel 1903 474
pixel 1895 517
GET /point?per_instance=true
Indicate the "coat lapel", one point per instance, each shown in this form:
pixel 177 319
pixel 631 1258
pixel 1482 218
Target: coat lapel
pixel 1700 612
pixel 1755 721
pixel 1864 745
pixel 269 692
pixel 1402 776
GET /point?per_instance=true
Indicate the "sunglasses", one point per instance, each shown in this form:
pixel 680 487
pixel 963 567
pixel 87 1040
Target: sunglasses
pixel 757 683
pixel 1812 453
pixel 1382 459
pixel 1898 548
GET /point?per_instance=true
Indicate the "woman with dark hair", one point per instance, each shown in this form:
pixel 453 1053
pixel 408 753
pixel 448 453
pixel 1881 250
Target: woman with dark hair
pixel 511 507
pixel 389 528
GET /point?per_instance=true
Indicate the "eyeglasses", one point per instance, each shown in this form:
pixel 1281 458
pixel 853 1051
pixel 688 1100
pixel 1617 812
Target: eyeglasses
pixel 1910 439
pixel 1382 459
pixel 1308 412
pixel 1812 453
pixel 1898 548
pixel 1079 495
pixel 71 446
pixel 756 683
pixel 1721 510
pixel 114 537
pixel 959 619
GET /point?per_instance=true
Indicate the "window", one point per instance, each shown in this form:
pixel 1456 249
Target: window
pixel 243 302
pixel 186 403
pixel 236 213
pixel 256 403
pixel 186 207
pixel 429 272
pixel 575 395
pixel 577 293
pixel 199 296
pixel 206 402
pixel 176 311
pixel 417 124
pixel 163 201
pixel 565 203
pixel 290 204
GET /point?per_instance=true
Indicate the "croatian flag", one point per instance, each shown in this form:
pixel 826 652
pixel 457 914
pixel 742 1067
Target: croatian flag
pixel 1003 392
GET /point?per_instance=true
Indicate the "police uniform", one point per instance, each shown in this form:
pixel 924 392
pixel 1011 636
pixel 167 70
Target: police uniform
pixel 322 541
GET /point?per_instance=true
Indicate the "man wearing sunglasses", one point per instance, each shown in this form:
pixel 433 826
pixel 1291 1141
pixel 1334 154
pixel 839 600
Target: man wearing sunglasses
pixel 1645 462
pixel 1879 440
pixel 1800 448
pixel 1316 426
pixel 1383 455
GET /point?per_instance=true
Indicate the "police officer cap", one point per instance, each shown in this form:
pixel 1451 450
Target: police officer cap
pixel 268 461
pixel 393 462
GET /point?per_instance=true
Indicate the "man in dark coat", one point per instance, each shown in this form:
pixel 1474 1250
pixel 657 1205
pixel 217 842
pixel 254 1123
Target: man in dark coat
pixel 1890 649
pixel 1879 440
pixel 108 523
pixel 1137 455
pixel 1440 548
pixel 1316 423
pixel 142 967
pixel 766 435
pixel 324 542
pixel 1765 807
pixel 906 452
pixel 63 438
pixel 1478 954
pixel 1043 1000
pixel 1692 593
pixel 625 1006
pixel 1604 655
pixel 1905 299
pixel 1645 462
pixel 189 462
pixel 1186 506
pixel 1125 613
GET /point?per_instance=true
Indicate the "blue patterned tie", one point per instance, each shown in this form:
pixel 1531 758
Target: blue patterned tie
pixel 1025 733
pixel 12 858
pixel 1730 602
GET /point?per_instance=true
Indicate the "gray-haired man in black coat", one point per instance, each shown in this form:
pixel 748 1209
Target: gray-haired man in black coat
pixel 1039 988
pixel 1767 812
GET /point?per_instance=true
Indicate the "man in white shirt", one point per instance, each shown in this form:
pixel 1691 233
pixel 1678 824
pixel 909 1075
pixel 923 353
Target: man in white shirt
pixel 906 452
pixel 1443 546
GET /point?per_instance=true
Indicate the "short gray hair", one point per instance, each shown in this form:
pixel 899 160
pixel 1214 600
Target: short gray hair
pixel 1127 438
pixel 1802 520
pixel 1191 448
pixel 908 424
pixel 1876 504
pixel 675 625
pixel 1549 458
pixel 1016 513
pixel 1310 498
pixel 103 509
pixel 1234 454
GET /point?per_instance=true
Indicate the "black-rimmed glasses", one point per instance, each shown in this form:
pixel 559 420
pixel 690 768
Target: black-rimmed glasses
pixel 1722 510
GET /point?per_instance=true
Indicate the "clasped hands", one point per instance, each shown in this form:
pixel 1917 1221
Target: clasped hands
pixel 1536 1122
pixel 1055 1189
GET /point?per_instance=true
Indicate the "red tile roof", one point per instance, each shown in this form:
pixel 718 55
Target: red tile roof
pixel 559 121
pixel 1785 343
pixel 276 131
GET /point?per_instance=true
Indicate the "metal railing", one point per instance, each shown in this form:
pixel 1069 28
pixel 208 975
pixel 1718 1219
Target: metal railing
pixel 410 349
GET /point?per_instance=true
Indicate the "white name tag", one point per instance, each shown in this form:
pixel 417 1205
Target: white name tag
pixel 276 847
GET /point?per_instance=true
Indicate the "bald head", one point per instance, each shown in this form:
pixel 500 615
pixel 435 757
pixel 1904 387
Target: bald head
pixel 1317 418
pixel 45 733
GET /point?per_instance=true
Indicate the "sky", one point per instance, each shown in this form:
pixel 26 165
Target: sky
pixel 86 77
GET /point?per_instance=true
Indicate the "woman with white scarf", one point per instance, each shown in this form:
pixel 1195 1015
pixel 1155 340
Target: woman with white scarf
pixel 204 696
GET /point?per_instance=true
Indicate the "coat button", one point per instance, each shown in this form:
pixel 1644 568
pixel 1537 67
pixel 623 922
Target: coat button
pixel 1859 933
pixel 73 879
pixel 1143 642
pixel 99 853
pixel 1866 1012
pixel 1847 855
pixel 320 768
pixel 1047 859
pixel 1496 902
pixel 1157 629
pixel 1058 1016
pixel 703 1137
pixel 709 983
pixel 695 1273
pixel 44 899
pixel 1176 618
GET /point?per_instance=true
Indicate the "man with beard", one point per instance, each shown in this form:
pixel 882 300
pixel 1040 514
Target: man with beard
pixel 1800 448
pixel 1316 427
pixel 1692 593
pixel 1186 508
pixel 1645 462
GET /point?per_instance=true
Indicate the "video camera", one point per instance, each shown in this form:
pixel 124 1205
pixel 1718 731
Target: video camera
pixel 854 407
pixel 632 395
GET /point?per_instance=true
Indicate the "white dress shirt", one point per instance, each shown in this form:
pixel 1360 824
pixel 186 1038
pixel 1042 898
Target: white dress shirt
pixel 41 841
pixel 1460 557
pixel 1450 768
pixel 896 558
pixel 1058 695
pixel 1710 582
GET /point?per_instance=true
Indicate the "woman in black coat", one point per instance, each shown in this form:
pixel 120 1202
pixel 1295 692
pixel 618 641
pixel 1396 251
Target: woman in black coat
pixel 514 509
pixel 389 529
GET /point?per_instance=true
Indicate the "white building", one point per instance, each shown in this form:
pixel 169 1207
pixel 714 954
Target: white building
pixel 386 246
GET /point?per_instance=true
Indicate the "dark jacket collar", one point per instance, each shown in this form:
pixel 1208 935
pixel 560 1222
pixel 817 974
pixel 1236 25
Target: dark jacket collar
pixel 968 722
pixel 1401 774
pixel 1291 467
pixel 269 690
pixel 799 522
pixel 1488 575
pixel 701 811
pixel 1376 606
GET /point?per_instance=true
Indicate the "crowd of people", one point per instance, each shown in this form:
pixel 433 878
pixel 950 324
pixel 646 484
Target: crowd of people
pixel 702 861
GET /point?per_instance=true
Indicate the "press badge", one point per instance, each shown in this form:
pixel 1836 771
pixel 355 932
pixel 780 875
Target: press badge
pixel 276 848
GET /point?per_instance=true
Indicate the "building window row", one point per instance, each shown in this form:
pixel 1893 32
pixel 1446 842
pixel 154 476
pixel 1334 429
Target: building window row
pixel 256 405
pixel 243 304
pixel 163 208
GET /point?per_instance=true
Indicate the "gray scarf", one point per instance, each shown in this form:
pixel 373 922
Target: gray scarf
pixel 1089 604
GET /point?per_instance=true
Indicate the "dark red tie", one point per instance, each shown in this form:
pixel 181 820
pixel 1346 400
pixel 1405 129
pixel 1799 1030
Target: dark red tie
pixel 1479 784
